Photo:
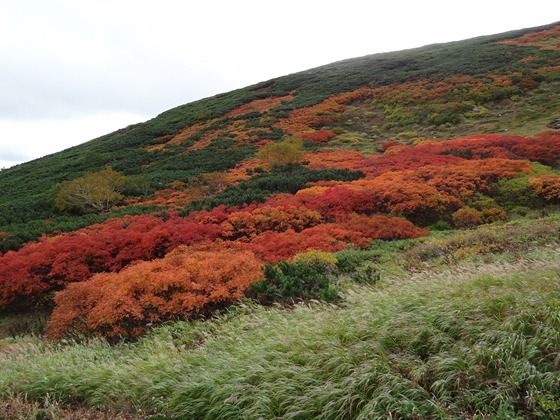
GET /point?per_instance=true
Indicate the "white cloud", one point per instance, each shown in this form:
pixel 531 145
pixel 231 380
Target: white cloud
pixel 23 140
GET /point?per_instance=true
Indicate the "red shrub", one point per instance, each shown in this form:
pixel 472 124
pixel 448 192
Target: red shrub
pixel 54 262
pixel 319 136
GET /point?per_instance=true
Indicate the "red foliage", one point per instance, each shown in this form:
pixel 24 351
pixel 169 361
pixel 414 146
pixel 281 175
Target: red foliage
pixel 357 230
pixel 319 136
pixel 422 183
pixel 543 148
pixel 54 262
pixel 185 282
pixel 337 202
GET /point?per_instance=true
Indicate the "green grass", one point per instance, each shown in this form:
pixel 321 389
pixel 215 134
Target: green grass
pixel 466 340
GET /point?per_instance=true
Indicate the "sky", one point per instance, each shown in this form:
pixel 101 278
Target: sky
pixel 73 70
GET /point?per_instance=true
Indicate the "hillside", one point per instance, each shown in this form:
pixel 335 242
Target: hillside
pixel 404 204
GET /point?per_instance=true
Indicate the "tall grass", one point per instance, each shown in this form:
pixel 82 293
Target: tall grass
pixel 466 342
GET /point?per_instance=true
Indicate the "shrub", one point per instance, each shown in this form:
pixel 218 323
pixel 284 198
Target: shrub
pixel 369 275
pixel 314 257
pixel 493 214
pixel 466 218
pixel 289 282
pixel 319 136
pixel 547 186
pixel 277 154
pixel 184 284
pixel 338 130
pixel 92 193
pixel 38 269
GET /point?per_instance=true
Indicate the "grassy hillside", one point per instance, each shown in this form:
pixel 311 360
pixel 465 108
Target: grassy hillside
pixel 462 336
pixel 373 238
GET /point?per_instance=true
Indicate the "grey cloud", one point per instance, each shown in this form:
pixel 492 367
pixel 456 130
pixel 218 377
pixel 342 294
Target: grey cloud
pixel 14 156
pixel 147 87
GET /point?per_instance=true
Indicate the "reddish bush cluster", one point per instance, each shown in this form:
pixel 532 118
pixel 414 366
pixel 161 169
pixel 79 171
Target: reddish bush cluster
pixel 319 136
pixel 51 264
pixel 358 230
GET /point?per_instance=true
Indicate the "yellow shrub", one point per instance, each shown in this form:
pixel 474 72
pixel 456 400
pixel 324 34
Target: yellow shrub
pixel 314 257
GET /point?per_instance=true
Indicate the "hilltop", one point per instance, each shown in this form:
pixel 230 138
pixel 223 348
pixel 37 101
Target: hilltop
pixel 303 200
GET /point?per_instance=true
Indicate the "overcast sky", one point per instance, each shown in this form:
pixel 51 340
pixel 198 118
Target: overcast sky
pixel 73 70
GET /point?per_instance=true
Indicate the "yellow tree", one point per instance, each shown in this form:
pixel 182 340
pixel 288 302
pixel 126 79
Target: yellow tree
pixel 91 193
pixel 277 154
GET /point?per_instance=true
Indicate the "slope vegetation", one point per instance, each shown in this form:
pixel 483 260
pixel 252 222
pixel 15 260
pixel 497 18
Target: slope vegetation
pixel 345 193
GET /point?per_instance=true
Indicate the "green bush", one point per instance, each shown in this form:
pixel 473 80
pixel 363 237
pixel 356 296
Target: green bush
pixel 289 282
pixel 369 275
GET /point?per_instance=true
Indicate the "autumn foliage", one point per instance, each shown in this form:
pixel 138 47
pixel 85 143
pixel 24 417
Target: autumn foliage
pixel 53 263
pixel 117 277
pixel 358 230
pixel 180 285
pixel 547 186
pixel 466 218
pixel 319 136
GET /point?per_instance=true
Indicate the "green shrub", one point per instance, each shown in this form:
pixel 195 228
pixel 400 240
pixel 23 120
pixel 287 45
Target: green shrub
pixel 369 275
pixel 289 282
pixel 440 225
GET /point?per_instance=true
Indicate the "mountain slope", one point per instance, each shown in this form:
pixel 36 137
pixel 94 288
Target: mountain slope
pixel 473 67
pixel 373 238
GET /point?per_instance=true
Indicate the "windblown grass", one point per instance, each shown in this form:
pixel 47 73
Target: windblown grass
pixel 464 342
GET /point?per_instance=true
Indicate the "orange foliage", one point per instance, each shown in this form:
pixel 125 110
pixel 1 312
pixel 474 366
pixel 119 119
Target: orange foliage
pixel 260 105
pixel 543 147
pixel 466 218
pixel 52 264
pixel 182 136
pixel 394 149
pixel 388 144
pixel 547 186
pixel 239 173
pixel 493 214
pixel 547 39
pixel 246 225
pixel 329 159
pixel 357 230
pixel 467 177
pixel 182 284
pixel 303 120
pixel 421 91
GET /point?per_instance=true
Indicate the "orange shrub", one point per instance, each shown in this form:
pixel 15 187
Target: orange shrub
pixel 357 230
pixel 466 218
pixel 245 225
pixel 182 284
pixel 493 214
pixel 547 186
